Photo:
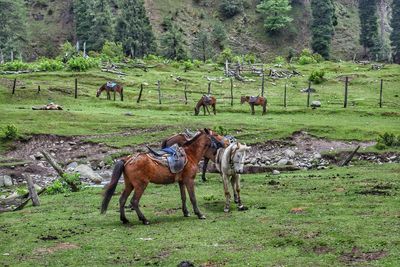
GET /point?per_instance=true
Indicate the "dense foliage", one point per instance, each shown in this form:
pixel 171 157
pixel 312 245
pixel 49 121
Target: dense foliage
pixel 101 29
pixel 322 28
pixel 201 47
pixel 395 35
pixel 369 25
pixel 275 14
pixel 230 8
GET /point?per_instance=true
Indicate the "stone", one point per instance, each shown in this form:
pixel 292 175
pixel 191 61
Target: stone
pixel 317 156
pixel 289 153
pixel 38 156
pixel 315 104
pixel 282 162
pixel 87 173
pixel 7 180
pixel 276 172
pixel 1 181
pixel 72 143
pixel 72 166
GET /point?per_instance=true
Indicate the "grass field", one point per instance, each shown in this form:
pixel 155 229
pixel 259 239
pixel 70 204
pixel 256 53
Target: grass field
pixel 334 217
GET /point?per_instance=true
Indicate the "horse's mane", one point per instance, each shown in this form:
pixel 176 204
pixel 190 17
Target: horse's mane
pixel 191 141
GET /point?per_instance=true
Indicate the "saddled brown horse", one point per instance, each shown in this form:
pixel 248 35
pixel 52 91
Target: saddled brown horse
pixel 140 170
pixel 182 138
pixel 205 101
pixel 111 87
pixel 255 101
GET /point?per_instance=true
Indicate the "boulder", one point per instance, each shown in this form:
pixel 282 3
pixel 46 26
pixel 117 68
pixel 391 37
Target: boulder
pixel 275 172
pixel 7 181
pixel 282 162
pixel 316 104
pixel 289 153
pixel 87 173
pixel 72 166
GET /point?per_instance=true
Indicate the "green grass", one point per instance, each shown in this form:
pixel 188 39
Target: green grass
pixel 336 217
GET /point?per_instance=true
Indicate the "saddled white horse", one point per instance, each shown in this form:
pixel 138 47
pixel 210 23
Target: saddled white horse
pixel 230 162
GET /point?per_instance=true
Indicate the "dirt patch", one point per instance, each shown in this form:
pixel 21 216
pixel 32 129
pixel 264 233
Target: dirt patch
pixel 356 255
pixel 319 250
pixel 57 247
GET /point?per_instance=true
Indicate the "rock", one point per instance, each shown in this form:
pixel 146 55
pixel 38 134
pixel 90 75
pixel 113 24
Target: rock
pixel 128 114
pixel 1 181
pixel 32 157
pixel 276 172
pixel 315 104
pixel 12 196
pixel 87 173
pixel 321 167
pixel 72 143
pixel 282 162
pixel 289 153
pixel 317 156
pixel 38 156
pixel 72 166
pixel 7 181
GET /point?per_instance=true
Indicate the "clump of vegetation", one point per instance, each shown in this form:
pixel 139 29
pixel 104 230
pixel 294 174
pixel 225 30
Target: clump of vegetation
pixel 46 64
pixel 275 13
pixel 279 60
pixel 69 182
pixel 230 8
pixel 317 76
pixel 16 65
pixel 82 64
pixel 187 65
pixel 10 132
pixel 226 54
pixel 387 140
pixel 112 51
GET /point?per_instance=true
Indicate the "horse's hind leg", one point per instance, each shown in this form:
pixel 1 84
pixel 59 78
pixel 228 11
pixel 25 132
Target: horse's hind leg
pixel 139 189
pixel 183 198
pixel 252 109
pixel 189 183
pixel 227 194
pixel 122 200
pixel 214 109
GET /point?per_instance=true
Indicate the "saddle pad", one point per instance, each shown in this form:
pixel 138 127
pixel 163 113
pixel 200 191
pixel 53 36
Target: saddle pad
pixel 253 99
pixel 111 85
pixel 207 99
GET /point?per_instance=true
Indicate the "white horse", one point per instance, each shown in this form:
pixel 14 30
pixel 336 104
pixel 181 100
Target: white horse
pixel 229 163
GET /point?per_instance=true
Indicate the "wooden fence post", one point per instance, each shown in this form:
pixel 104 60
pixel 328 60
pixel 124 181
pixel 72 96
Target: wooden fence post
pixel 32 191
pixel 346 92
pixel 76 88
pixel 381 94
pixel 15 84
pixel 284 97
pixel 308 93
pixel 140 93
pixel 231 92
pixel 209 88
pixel 159 92
pixel 262 81
pixel 185 91
pixel 38 89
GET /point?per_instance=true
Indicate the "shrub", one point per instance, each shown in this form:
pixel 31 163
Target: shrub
pixel 230 8
pixel 318 57
pixel 175 64
pixel 306 52
pixel 197 63
pixel 68 51
pixel 279 60
pixel 187 65
pixel 250 57
pixel 10 132
pixel 226 54
pixel 45 64
pixel 16 65
pixel 56 188
pixel 317 76
pixel 388 140
pixel 69 182
pixel 304 60
pixel 82 64
pixel 112 51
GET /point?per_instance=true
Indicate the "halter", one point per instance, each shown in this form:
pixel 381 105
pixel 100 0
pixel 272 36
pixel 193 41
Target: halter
pixel 231 162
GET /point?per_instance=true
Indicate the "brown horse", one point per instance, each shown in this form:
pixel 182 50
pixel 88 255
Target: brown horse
pixel 181 138
pixel 139 170
pixel 205 101
pixel 108 87
pixel 255 101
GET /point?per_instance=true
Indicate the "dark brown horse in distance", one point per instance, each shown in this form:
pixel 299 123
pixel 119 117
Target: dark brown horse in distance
pixel 255 101
pixel 205 101
pixel 140 170
pixel 182 138
pixel 111 87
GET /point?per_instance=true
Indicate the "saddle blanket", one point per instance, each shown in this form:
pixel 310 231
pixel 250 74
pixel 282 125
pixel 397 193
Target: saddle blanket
pixel 253 99
pixel 111 85
pixel 207 99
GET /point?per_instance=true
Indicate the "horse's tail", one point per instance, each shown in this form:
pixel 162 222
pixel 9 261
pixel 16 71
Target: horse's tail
pixel 116 175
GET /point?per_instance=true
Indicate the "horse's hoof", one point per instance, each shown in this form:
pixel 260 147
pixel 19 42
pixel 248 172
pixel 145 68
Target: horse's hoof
pixel 242 208
pixel 226 210
pixel 236 201
pixel 124 221
pixel 146 222
pixel 186 214
pixel 202 217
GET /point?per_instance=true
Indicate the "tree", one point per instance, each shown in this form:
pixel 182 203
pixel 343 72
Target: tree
pixel 13 35
pixel 322 27
pixel 230 8
pixel 101 28
pixel 173 46
pixel 369 25
pixel 395 34
pixel 275 13
pixel 133 29
pixel 84 16
pixel 202 46
pixel 219 35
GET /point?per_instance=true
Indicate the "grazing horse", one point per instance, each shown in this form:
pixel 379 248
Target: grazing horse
pixel 181 138
pixel 108 87
pixel 255 101
pixel 230 162
pixel 139 170
pixel 205 101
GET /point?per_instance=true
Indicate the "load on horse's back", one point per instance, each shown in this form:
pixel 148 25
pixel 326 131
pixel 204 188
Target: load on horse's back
pixel 255 101
pixel 111 87
pixel 205 101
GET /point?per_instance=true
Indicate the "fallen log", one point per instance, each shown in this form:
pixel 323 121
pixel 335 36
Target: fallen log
pixel 113 71
pixel 350 157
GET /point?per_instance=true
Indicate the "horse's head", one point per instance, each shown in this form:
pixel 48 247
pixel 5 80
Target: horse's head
pixel 196 111
pixel 242 99
pixel 238 155
pixel 99 91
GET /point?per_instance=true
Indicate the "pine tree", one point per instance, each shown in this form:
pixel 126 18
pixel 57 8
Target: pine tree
pixel 369 25
pixel 101 29
pixel 395 35
pixel 13 35
pixel 322 27
pixel 202 46
pixel 275 13
pixel 173 46
pixel 84 16
pixel 133 29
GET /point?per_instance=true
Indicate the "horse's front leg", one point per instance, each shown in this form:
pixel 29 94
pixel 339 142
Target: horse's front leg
pixel 208 110
pixel 252 109
pixel 189 183
pixel 108 95
pixel 214 109
pixel 237 185
pixel 183 198
pixel 203 175
pixel 204 109
pixel 226 190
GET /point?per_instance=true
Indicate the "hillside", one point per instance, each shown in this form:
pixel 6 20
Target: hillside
pixel 52 22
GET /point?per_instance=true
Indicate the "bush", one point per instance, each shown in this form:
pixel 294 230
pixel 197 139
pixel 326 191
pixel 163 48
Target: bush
pixel 175 64
pixel 16 65
pixel 230 8
pixel 197 63
pixel 317 76
pixel 318 57
pixel 388 140
pixel 68 51
pixel 82 64
pixel 279 60
pixel 45 64
pixel 306 52
pixel 304 60
pixel 10 132
pixel 112 51
pixel 226 54
pixel 152 57
pixel 250 57
pixel 69 182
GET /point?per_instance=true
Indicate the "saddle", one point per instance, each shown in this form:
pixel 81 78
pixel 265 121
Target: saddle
pixel 253 99
pixel 174 157
pixel 111 85
pixel 207 99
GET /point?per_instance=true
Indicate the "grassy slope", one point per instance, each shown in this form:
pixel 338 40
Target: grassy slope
pixel 362 120
pixel 336 219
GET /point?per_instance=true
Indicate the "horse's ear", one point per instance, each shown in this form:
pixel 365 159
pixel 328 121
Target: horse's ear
pixel 207 131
